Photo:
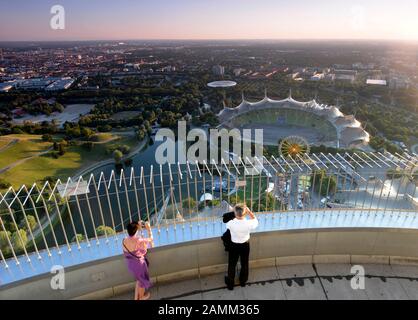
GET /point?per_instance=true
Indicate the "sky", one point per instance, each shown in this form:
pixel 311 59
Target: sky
pixel 22 20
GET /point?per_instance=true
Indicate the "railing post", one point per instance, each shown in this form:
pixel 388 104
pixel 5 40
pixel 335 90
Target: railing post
pixel 179 181
pixel 23 244
pixel 3 259
pixel 109 203
pixel 212 191
pixel 173 201
pixel 229 182
pixel 12 250
pixel 195 189
pixel 313 179
pixel 27 222
pixel 188 177
pixel 122 220
pixel 93 221
pixel 40 196
pixel 82 220
pixel 72 223
pixel 38 221
pixel 123 178
pixel 389 192
pixel 146 197
pixel 152 183
pixel 100 206
pixel 132 179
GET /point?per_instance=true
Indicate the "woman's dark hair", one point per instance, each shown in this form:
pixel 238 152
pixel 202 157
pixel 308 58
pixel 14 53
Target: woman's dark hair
pixel 132 228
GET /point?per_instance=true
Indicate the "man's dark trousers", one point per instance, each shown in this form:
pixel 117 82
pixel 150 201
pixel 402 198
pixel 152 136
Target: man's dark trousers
pixel 238 251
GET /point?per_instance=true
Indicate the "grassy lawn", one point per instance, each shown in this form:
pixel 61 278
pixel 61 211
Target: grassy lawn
pixel 100 137
pixel 28 145
pixel 76 158
pixel 125 115
pixel 3 142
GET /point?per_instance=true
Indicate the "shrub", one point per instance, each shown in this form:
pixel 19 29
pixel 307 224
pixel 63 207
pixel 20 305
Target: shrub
pixel 124 148
pixel 47 137
pixel 105 128
pixel 102 230
pixel 17 241
pixel 185 203
pixel 4 184
pixel 117 155
pixel 79 237
pixel 17 130
pixel 3 239
pixel 31 220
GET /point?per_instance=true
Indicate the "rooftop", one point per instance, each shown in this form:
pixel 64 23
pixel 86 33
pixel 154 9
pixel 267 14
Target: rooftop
pixel 222 84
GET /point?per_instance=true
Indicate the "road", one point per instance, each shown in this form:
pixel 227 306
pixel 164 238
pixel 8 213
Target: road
pixel 7 146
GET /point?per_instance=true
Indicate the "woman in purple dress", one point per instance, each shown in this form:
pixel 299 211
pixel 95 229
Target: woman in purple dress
pixel 135 250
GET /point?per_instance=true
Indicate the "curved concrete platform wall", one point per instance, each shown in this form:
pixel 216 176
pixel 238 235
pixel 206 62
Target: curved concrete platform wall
pixel 109 277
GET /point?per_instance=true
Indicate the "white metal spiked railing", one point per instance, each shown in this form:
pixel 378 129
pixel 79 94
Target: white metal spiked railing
pixel 91 211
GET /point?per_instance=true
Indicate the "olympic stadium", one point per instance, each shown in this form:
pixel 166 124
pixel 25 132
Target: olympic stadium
pixel 317 123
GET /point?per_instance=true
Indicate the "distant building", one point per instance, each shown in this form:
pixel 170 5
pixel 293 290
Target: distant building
pixel 218 70
pixel 61 84
pixel 48 84
pixel 399 83
pixel 238 71
pixel 345 72
pixel 168 69
pixel 132 66
pixel 376 82
pixel 344 75
pixel 363 66
pixel 318 76
pixel 34 83
pixel 6 86
pixel 295 75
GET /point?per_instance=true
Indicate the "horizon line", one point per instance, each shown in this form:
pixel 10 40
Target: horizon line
pixel 219 39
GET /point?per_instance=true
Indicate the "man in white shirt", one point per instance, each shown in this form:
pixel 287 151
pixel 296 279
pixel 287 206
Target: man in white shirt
pixel 240 229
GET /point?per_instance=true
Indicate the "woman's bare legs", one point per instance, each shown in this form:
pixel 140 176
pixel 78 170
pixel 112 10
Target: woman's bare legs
pixel 137 287
pixel 146 296
pixel 140 291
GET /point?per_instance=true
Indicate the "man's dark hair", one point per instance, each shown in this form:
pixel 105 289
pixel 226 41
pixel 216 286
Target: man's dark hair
pixel 239 210
pixel 132 228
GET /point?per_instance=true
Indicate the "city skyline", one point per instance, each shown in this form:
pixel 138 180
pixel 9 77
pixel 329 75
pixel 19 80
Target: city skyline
pixel 210 20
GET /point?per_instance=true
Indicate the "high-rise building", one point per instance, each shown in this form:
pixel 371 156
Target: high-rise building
pixel 218 70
